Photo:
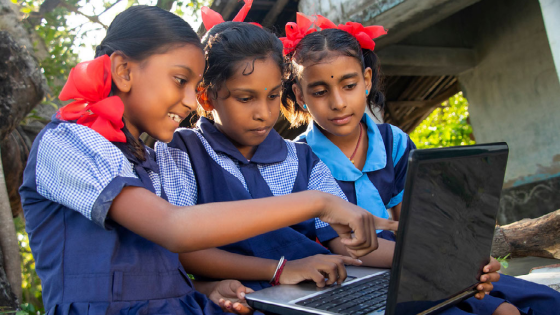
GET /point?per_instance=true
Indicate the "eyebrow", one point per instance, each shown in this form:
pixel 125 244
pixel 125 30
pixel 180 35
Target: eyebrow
pixel 185 67
pixel 253 91
pixel 344 77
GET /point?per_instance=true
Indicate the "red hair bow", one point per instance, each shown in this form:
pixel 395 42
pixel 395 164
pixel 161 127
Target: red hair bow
pixel 211 18
pixel 364 35
pixel 295 32
pixel 89 85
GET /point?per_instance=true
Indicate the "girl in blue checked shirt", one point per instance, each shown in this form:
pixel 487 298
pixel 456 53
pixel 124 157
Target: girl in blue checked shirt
pixel 104 236
pixel 238 155
pixel 334 76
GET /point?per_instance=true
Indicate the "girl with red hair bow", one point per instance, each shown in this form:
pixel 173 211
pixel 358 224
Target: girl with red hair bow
pixel 104 236
pixel 334 78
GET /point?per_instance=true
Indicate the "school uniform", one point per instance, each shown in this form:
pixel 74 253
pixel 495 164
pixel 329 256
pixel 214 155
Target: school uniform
pixel 278 167
pixel 88 263
pixel 380 186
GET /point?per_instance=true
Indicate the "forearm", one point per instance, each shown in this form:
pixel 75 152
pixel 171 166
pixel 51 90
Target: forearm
pixel 396 212
pixel 382 257
pixel 220 264
pixel 185 229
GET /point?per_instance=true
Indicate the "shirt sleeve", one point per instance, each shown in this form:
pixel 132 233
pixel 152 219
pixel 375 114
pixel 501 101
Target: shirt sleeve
pixel 402 145
pixel 177 175
pixel 321 179
pixel 80 169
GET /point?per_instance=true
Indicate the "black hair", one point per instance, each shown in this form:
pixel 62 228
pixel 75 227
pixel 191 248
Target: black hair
pixel 227 45
pixel 140 32
pixel 316 47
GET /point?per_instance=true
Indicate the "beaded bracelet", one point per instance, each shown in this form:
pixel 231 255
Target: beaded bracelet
pixel 276 278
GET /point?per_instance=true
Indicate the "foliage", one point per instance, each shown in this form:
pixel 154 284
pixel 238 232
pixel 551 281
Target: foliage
pixel 446 126
pixel 503 261
pixel 32 297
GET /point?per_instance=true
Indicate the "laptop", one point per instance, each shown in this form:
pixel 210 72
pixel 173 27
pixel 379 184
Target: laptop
pixel 448 216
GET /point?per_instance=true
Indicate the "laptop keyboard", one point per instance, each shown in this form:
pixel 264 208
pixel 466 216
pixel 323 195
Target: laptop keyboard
pixel 360 297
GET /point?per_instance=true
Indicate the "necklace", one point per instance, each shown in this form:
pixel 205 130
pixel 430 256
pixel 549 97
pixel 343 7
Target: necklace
pixel 357 145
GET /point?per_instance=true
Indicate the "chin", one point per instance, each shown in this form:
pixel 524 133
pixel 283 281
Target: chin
pixel 167 137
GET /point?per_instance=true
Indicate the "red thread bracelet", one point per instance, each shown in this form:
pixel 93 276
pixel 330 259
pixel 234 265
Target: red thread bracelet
pixel 278 273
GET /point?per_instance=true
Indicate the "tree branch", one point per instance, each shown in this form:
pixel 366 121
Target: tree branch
pixel 94 19
pixel 109 7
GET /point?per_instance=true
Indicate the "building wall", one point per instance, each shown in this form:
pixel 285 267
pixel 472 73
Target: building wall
pixel 551 11
pixel 514 92
pixel 340 11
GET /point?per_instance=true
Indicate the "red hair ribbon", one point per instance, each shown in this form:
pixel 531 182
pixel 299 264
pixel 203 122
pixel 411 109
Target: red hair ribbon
pixel 364 35
pixel 89 85
pixel 295 32
pixel 211 18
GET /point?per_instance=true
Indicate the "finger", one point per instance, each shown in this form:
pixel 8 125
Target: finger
pixel 341 269
pixel 493 266
pixel 240 291
pixel 385 224
pixel 318 278
pixel 479 295
pixel 240 308
pixel 360 235
pixel 490 277
pixel 331 271
pixel 225 304
pixel 485 287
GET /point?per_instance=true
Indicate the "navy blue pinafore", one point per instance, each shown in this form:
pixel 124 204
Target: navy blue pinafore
pixel 223 174
pixel 87 263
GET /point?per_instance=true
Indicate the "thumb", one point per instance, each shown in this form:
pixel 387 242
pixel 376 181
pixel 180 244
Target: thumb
pixel 241 290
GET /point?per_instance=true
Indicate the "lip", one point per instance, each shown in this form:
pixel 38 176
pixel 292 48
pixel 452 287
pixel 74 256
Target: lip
pixel 341 120
pixel 181 117
pixel 260 131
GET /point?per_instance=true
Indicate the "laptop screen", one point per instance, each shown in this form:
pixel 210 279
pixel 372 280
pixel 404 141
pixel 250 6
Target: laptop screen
pixel 450 218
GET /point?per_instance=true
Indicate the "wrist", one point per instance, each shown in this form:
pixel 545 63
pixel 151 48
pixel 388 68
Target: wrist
pixel 319 201
pixel 278 272
pixel 205 287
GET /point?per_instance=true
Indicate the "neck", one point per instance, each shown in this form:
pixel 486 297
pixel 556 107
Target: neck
pixel 134 131
pixel 346 141
pixel 246 150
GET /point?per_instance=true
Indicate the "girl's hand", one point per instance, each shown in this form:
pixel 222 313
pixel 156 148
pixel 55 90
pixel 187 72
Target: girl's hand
pixel 230 296
pixel 317 268
pixel 490 275
pixel 355 226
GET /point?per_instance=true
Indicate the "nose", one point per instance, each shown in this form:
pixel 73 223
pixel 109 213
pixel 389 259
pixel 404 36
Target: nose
pixel 337 101
pixel 261 111
pixel 189 99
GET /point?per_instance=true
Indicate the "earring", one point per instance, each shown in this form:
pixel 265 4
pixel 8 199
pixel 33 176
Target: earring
pixel 304 106
pixel 367 92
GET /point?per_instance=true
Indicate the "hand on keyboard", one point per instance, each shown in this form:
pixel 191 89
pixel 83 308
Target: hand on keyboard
pixel 322 269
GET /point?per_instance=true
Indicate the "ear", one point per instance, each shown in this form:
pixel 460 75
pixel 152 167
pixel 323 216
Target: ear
pixel 299 96
pixel 367 77
pixel 120 72
pixel 203 100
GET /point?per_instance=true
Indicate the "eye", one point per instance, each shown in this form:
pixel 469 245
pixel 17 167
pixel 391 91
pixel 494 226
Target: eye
pixel 244 99
pixel 319 93
pixel 350 86
pixel 180 81
pixel 274 96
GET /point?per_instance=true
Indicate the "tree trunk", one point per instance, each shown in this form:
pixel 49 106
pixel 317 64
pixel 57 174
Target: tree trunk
pixel 7 297
pixel 9 247
pixel 538 237
pixel 22 87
